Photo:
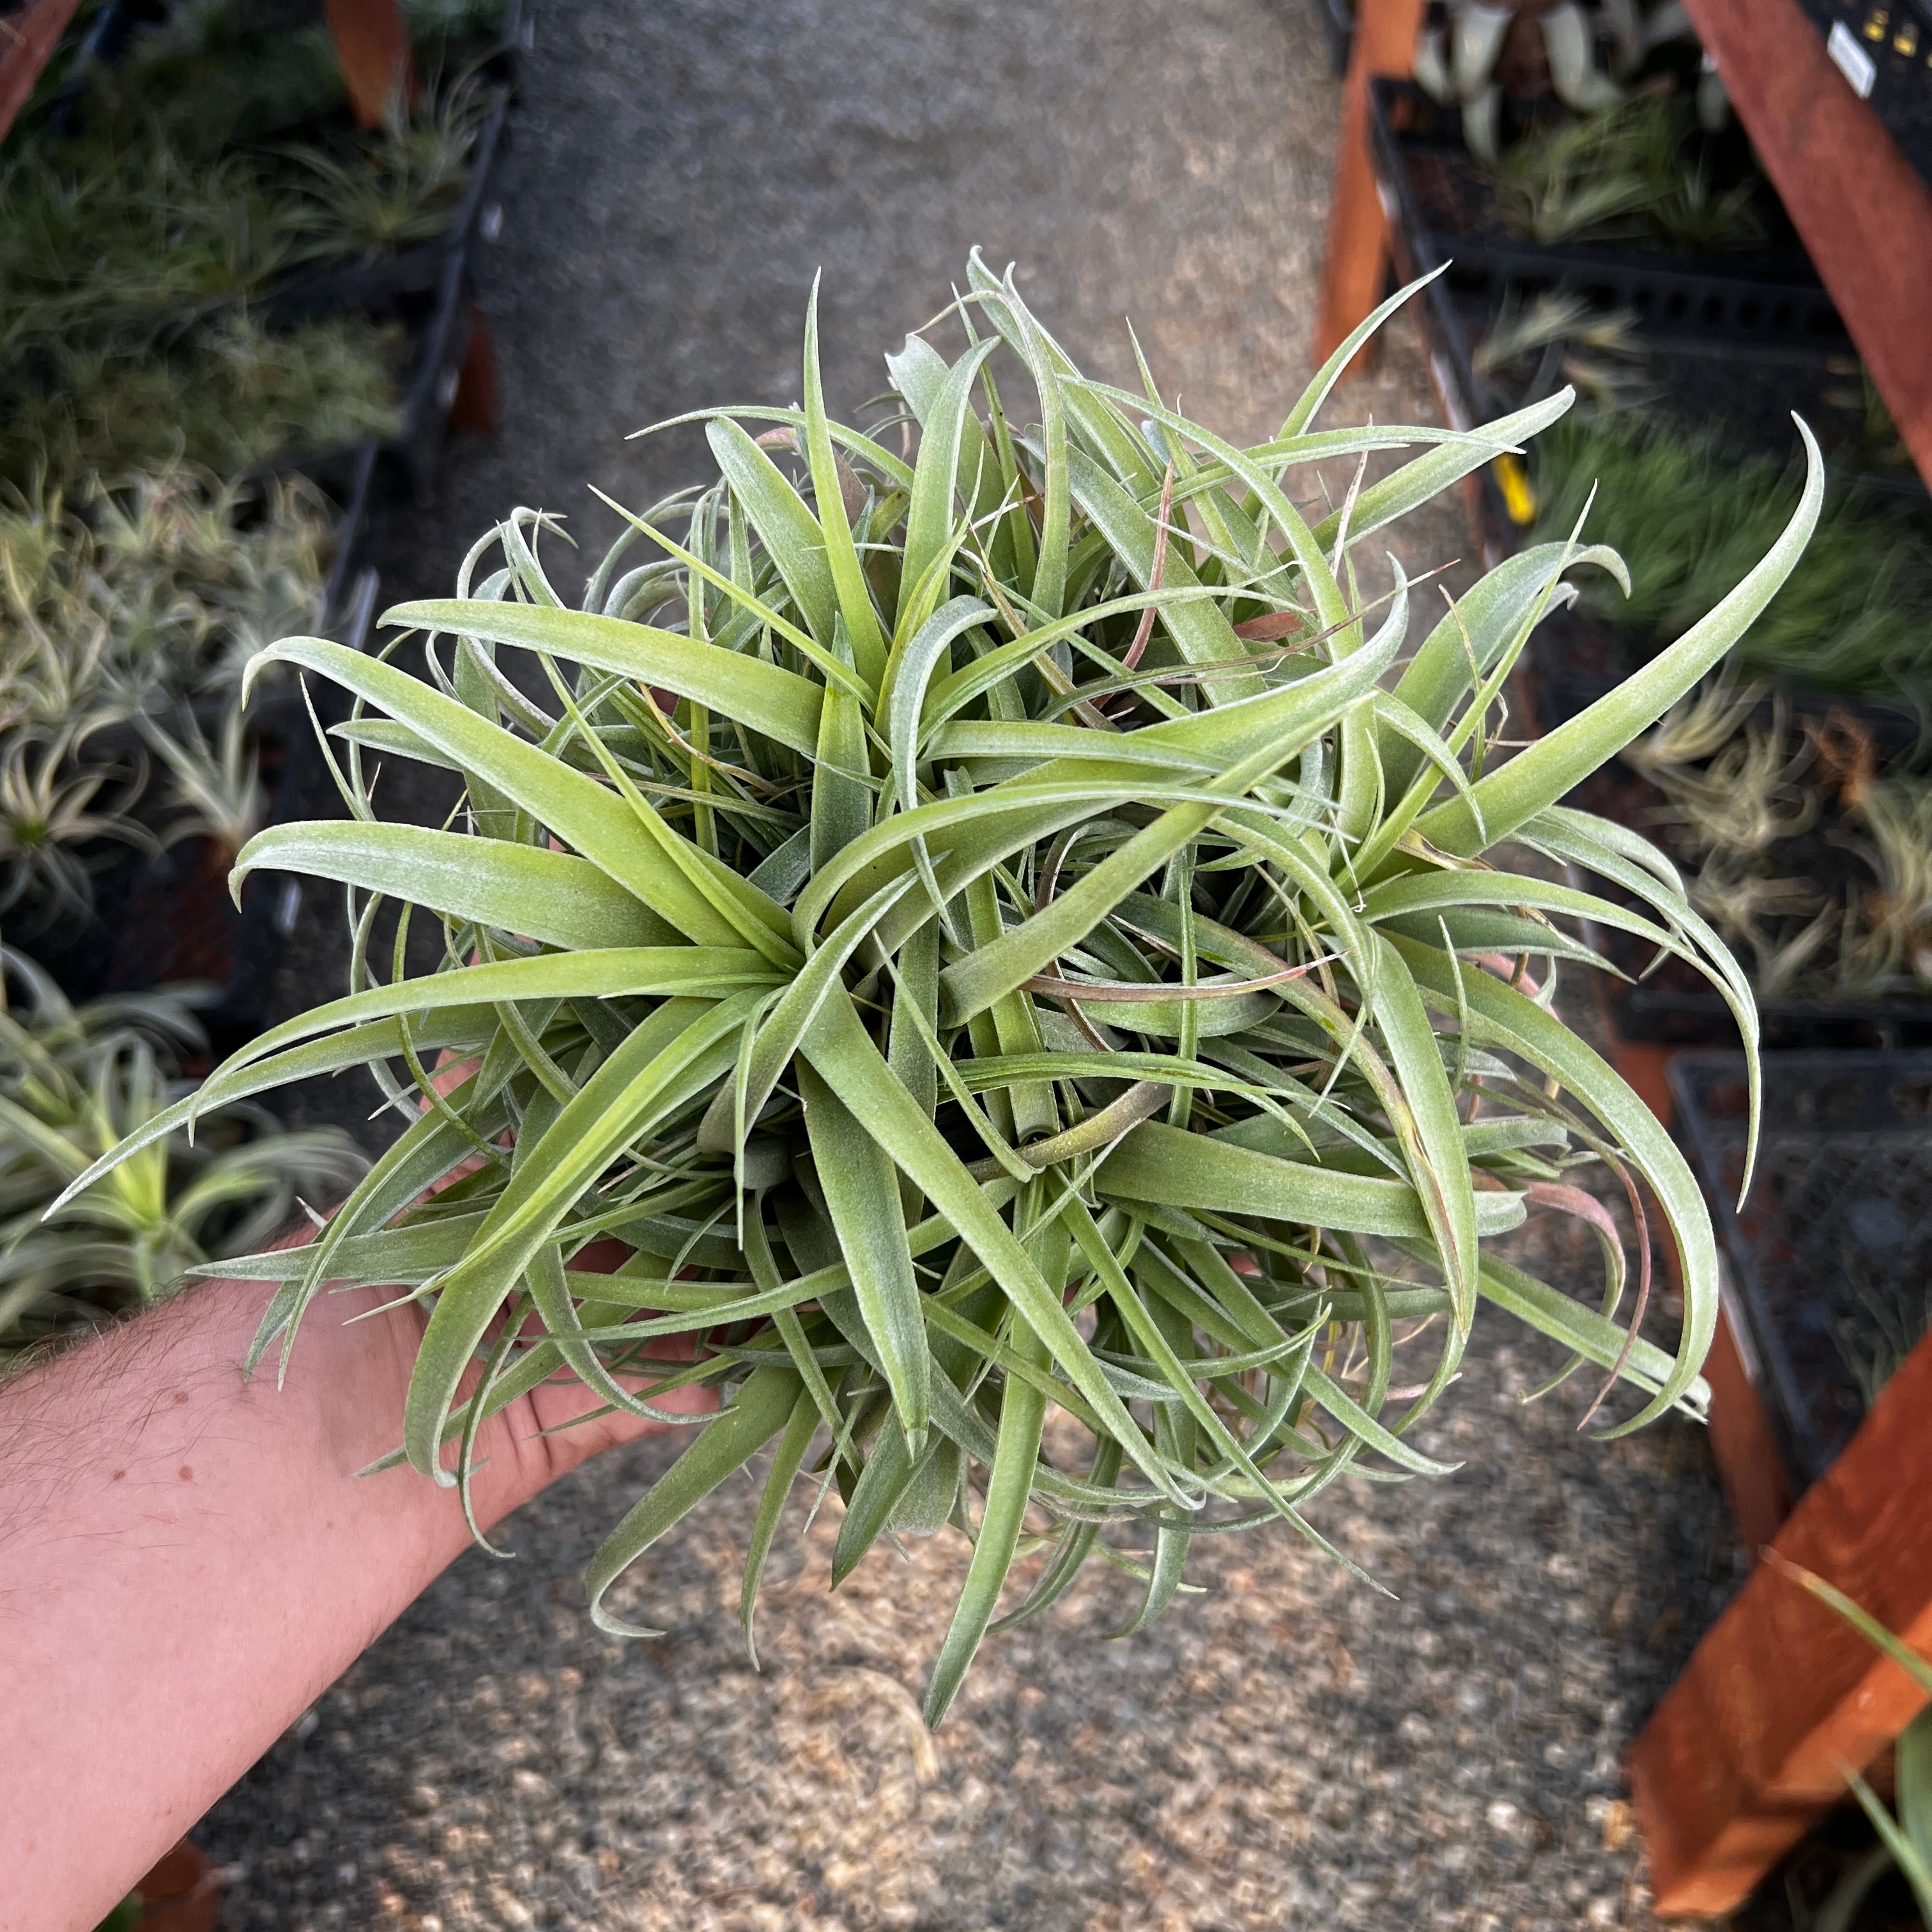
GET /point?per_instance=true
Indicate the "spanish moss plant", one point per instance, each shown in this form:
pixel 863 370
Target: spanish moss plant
pixel 1692 513
pixel 1000 932
pixel 236 396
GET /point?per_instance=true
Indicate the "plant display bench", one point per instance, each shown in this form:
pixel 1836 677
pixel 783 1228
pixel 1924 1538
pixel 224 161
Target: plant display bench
pixel 1748 1747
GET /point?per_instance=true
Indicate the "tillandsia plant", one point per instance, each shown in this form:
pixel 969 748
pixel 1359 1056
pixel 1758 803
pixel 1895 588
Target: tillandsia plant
pixel 73 1080
pixel 403 184
pixel 211 75
pixel 1530 349
pixel 990 933
pixel 1806 855
pixel 150 590
pixel 1856 616
pixel 232 397
pixel 132 244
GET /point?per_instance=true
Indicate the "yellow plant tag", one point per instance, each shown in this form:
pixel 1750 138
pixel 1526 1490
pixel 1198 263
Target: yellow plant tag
pixel 1519 499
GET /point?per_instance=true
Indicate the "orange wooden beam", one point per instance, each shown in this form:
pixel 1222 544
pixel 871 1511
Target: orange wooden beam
pixel 27 42
pixel 373 45
pixel 1863 213
pixel 1749 1745
pixel 1351 282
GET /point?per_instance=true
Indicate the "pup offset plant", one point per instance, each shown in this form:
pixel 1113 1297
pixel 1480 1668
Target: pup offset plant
pixel 989 932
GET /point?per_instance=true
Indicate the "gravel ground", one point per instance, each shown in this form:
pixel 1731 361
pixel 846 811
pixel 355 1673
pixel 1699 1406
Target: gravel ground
pixel 1289 1748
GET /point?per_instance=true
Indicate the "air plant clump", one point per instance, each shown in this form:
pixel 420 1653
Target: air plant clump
pixel 236 397
pixel 132 244
pixel 990 933
pixel 73 1080
pixel 216 74
pixel 57 828
pixel 121 239
pixel 1478 57
pixel 150 596
pixel 1633 170
pixel 150 590
pixel 1559 337
pixel 1806 857
pixel 1855 616
pixel 402 183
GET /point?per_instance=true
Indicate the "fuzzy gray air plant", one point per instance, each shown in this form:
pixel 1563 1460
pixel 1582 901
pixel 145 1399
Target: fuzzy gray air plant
pixel 1006 930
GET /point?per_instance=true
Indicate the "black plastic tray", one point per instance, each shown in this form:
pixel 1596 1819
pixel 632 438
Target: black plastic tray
pixel 1770 295
pixel 1831 1257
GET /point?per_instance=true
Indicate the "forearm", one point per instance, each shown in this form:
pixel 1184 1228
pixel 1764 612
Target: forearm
pixel 186 1559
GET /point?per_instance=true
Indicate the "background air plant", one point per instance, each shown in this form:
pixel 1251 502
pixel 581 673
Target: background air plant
pixel 1559 337
pixel 217 788
pixel 155 591
pixel 1855 616
pixel 214 74
pixel 1845 912
pixel 52 822
pixel 978 930
pixel 235 397
pixel 1633 170
pixel 132 244
pixel 149 598
pixel 401 184
pixel 73 1081
pixel 1475 55
pixel 1893 944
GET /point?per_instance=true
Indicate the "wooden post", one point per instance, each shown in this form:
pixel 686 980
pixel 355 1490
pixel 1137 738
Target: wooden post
pixel 474 409
pixel 1351 282
pixel 1866 218
pixel 27 42
pixel 1749 1745
pixel 373 45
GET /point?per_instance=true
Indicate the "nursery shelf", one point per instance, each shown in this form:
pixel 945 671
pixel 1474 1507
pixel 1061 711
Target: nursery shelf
pixel 27 42
pixel 1862 213
pixel 1749 1745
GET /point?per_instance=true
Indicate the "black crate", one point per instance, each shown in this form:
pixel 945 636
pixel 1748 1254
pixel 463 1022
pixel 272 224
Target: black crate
pixel 1831 1256
pixel 1771 295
